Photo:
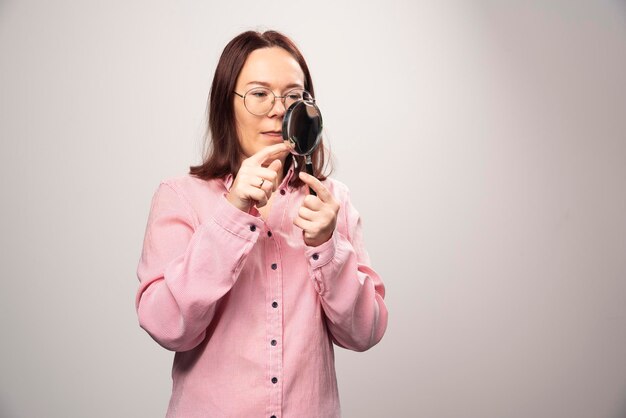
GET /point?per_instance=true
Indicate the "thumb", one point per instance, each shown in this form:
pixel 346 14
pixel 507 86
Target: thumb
pixel 276 165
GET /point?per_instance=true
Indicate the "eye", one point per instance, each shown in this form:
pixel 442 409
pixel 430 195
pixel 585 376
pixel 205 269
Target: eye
pixel 258 94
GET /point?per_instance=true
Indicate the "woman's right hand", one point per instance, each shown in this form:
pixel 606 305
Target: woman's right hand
pixel 254 183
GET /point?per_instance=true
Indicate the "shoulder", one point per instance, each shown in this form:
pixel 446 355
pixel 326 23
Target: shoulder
pixel 197 196
pixel 190 186
pixel 184 181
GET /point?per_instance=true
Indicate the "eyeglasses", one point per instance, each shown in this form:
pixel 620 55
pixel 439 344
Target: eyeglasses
pixel 260 100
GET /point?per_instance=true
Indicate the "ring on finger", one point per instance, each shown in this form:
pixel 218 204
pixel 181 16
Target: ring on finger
pixel 261 185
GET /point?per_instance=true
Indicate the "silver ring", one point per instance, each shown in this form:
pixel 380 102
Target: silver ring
pixel 261 185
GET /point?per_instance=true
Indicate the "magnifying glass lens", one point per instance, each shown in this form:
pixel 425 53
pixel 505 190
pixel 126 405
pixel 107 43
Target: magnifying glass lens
pixel 304 127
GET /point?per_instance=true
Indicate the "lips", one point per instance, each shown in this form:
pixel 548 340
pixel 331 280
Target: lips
pixel 273 135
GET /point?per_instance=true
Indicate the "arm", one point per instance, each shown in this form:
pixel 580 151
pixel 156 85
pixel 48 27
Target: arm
pixel 351 292
pixel 184 270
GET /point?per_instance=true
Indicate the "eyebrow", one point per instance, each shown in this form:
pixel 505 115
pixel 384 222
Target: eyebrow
pixel 288 86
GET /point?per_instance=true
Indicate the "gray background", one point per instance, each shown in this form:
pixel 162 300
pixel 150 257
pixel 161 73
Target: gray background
pixel 484 143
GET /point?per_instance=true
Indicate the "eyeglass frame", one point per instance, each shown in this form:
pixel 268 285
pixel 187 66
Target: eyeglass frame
pixel 282 98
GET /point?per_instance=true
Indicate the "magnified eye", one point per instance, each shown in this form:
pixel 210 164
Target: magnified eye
pixel 293 96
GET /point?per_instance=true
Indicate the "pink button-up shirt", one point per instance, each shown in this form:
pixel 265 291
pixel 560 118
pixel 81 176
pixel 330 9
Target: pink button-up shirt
pixel 251 311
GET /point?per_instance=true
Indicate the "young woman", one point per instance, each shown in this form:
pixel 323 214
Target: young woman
pixel 244 274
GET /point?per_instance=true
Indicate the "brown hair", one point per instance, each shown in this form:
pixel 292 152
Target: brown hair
pixel 223 154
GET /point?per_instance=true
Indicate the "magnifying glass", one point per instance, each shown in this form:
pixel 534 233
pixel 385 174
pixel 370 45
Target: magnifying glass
pixel 302 130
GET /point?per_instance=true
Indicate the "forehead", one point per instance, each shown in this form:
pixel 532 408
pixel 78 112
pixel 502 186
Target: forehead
pixel 274 66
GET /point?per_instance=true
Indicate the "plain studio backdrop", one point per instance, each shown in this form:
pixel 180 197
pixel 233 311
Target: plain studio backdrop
pixel 484 143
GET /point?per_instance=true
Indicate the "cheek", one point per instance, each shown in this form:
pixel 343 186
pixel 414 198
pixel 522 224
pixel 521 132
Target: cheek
pixel 243 124
pixel 247 129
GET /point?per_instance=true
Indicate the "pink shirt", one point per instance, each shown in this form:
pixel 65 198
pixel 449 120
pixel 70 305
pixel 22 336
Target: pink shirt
pixel 251 311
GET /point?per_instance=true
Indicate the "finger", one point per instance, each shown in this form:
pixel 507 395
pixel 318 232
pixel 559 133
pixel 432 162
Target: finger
pixel 312 202
pixel 307 214
pixel 258 196
pixel 267 152
pixel 276 166
pixel 303 224
pixel 268 187
pixel 256 173
pixel 315 184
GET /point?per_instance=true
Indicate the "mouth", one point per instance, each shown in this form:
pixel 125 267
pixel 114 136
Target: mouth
pixel 273 136
pixel 273 133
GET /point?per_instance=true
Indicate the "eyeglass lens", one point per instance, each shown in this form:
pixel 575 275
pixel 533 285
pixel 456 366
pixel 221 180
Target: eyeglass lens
pixel 260 100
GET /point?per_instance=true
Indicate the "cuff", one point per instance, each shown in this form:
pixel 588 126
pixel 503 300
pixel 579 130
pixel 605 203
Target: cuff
pixel 235 221
pixel 322 254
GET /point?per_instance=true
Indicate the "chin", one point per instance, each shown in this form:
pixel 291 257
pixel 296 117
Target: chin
pixel 271 139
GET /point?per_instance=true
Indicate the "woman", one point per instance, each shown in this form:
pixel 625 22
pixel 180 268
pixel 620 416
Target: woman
pixel 247 276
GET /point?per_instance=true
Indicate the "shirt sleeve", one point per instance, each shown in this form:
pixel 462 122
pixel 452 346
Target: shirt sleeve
pixel 185 269
pixel 351 292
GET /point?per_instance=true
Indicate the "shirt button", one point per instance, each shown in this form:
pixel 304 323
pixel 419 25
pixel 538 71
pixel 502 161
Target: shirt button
pixel 282 192
pixel 269 234
pixel 274 266
pixel 274 380
pixel 274 304
pixel 252 228
pixel 316 256
pixel 274 342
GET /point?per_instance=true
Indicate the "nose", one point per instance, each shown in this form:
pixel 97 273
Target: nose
pixel 278 109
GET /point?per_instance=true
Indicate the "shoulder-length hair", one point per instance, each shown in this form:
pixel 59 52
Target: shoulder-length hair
pixel 223 151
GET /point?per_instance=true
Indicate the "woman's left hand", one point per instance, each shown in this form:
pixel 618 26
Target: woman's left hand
pixel 317 216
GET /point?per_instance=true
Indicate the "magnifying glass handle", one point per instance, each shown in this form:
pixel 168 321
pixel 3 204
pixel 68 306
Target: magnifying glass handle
pixel 309 170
